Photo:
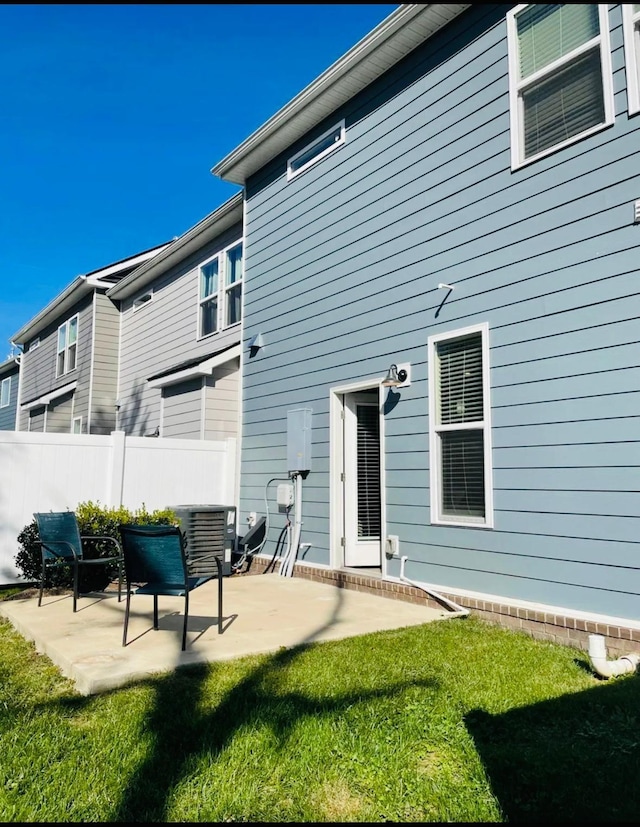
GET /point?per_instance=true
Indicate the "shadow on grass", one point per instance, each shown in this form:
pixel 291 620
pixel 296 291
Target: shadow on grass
pixel 182 729
pixel 574 758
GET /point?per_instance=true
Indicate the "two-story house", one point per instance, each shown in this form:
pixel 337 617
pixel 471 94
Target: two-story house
pixel 442 262
pixel 69 363
pixel 9 388
pixel 180 315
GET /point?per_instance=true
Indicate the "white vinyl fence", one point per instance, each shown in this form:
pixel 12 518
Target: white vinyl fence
pixel 53 472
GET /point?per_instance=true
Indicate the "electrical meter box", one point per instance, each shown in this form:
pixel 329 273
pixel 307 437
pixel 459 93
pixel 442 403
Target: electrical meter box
pixel 299 439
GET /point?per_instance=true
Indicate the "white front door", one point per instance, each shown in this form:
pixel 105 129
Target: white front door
pixel 361 479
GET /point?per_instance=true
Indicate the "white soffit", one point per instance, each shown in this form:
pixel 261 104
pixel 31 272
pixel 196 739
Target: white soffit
pixel 400 33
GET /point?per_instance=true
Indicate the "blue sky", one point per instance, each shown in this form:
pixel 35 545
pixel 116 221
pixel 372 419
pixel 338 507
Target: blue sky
pixel 113 115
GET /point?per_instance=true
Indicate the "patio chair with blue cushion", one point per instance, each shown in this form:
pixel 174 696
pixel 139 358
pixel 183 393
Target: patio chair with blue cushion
pixel 62 544
pixel 155 559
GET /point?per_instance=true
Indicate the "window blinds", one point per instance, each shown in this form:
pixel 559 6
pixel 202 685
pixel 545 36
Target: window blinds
pixel 460 401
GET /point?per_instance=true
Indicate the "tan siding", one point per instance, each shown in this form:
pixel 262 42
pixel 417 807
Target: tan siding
pixel 105 366
pixel 59 414
pixel 222 403
pixel 39 366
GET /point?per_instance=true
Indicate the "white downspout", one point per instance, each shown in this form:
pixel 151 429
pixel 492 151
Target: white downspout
pixel 609 668
pixel 456 610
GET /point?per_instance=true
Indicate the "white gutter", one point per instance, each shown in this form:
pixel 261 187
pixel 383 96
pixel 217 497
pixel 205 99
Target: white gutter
pixel 204 368
pixel 391 40
pixel 73 292
pixel 197 236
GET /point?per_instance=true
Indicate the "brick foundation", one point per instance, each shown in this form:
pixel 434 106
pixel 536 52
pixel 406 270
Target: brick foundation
pixel 562 629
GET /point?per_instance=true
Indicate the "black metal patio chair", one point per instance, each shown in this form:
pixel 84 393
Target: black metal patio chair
pixel 155 558
pixel 62 544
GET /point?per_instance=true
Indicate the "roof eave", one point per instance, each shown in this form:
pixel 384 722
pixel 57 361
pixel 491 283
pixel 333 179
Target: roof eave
pixel 196 237
pixel 354 71
pixel 75 291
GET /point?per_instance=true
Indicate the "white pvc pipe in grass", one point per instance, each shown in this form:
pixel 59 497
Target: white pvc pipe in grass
pixel 456 610
pixel 609 668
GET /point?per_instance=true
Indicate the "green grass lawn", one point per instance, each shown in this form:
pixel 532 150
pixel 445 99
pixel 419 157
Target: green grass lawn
pixel 455 721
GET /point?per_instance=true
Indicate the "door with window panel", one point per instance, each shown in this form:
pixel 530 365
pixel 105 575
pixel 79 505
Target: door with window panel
pixel 361 478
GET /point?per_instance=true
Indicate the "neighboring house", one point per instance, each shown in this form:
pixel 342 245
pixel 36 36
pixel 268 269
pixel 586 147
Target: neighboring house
pixel 458 195
pixel 181 333
pixel 69 364
pixel 9 381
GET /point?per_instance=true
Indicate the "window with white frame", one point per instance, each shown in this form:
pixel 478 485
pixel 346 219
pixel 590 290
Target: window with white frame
pixel 5 392
pixel 142 300
pixel 220 297
pixel 233 285
pixel 560 82
pixel 460 428
pixel 67 346
pixel 631 29
pixel 76 425
pixel 320 148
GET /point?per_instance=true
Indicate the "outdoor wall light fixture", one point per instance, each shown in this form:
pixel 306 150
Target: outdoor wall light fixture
pixel 394 377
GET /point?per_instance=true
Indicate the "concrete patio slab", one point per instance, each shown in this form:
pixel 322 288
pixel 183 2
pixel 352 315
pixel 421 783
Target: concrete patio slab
pixel 261 613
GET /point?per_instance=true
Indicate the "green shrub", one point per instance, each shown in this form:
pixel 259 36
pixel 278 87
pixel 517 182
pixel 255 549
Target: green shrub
pixel 93 519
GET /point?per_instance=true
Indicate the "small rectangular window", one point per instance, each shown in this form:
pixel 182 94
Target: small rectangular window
pixel 145 298
pixel 560 82
pixel 5 392
pixel 631 29
pixel 76 425
pixel 320 148
pixel 459 424
pixel 66 354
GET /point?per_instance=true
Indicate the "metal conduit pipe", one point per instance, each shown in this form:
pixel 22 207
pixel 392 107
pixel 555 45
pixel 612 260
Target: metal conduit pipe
pixel 609 668
pixel 456 610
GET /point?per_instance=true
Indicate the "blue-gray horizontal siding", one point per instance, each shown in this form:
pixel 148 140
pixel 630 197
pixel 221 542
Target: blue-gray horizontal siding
pixel 342 268
pixel 164 333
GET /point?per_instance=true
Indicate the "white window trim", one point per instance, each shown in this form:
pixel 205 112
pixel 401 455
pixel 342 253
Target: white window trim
pixel 632 56
pixel 434 462
pixel 142 300
pixel 6 383
pixel 67 324
pixel 340 142
pixel 73 422
pixel 515 102
pixel 221 294
pixel 226 288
